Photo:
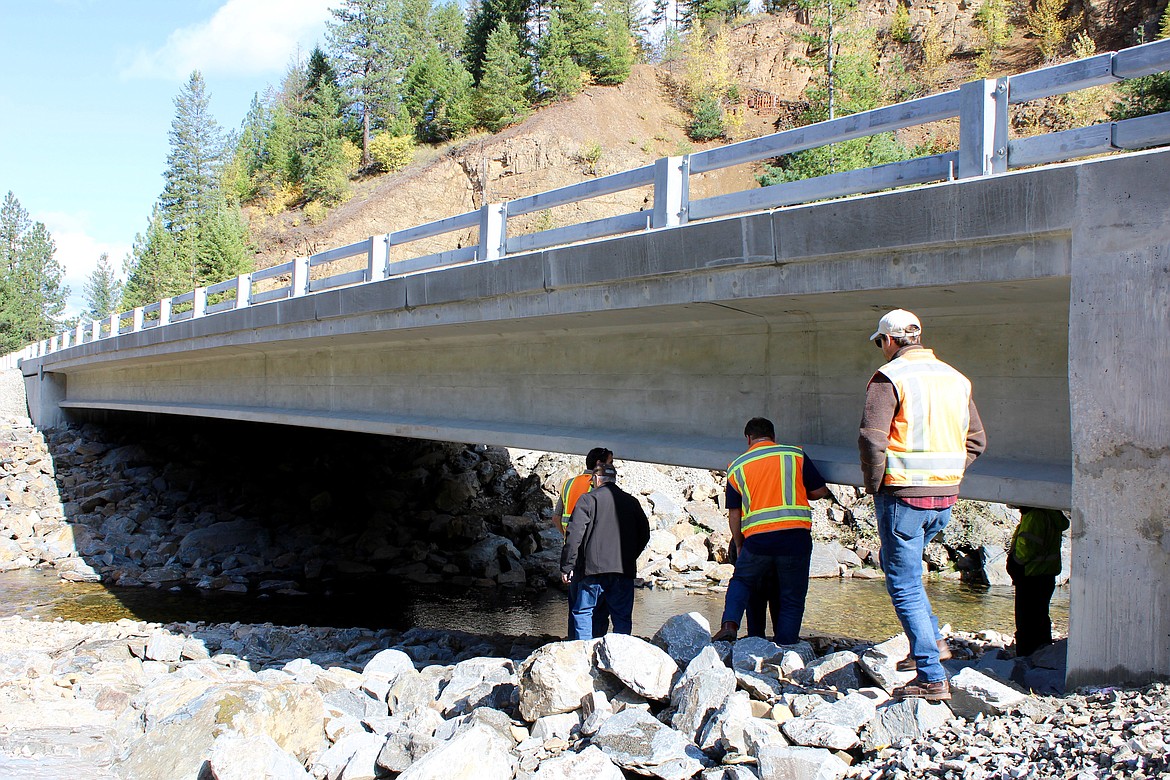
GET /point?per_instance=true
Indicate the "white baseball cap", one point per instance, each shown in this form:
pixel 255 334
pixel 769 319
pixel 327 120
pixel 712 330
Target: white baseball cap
pixel 897 323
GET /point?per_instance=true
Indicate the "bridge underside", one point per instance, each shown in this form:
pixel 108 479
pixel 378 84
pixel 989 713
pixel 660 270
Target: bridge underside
pixel 1048 288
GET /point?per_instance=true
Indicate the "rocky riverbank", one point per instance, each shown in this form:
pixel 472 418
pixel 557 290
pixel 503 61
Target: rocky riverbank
pixel 241 508
pixel 143 701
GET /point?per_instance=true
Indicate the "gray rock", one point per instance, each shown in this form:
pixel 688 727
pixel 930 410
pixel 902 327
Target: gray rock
pixel 811 732
pixel 880 663
pixel 644 668
pixel 723 731
pixel 555 678
pixel 994 560
pixel 559 726
pixel 248 758
pixel 760 686
pixel 220 538
pixel 388 664
pixel 753 653
pixel 164 647
pixel 844 555
pixel 836 670
pixel 799 763
pixel 973 692
pixel 759 733
pixel 473 681
pixel 698 697
pixel 906 719
pixel 734 772
pixel 479 753
pixel 635 740
pixel 852 712
pixel 663 504
pixel 483 716
pixel 684 636
pixel 590 764
pixel 409 692
pixel 1054 656
pixel 823 563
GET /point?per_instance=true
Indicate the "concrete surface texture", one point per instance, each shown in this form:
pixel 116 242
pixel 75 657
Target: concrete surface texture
pixel 662 344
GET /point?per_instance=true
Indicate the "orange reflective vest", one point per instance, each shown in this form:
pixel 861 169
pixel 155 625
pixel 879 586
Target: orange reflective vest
pixel 770 479
pixel 572 490
pixel 928 436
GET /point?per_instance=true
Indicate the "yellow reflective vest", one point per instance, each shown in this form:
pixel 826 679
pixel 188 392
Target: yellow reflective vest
pixel 572 490
pixel 770 479
pixel 928 436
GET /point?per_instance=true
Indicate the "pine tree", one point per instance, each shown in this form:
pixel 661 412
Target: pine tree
pixel 617 54
pixel 153 268
pixel 437 95
pixel 484 20
pixel 501 98
pixel 560 76
pixel 103 290
pixel 325 170
pixel 192 175
pixel 32 298
pixel 585 29
pixel 363 42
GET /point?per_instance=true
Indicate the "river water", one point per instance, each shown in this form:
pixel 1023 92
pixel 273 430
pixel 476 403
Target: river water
pixel 853 608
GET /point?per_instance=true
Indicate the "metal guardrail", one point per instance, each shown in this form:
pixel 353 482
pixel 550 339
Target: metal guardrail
pixel 984 149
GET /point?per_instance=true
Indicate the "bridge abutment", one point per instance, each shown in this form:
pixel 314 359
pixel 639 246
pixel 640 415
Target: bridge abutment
pixel 1119 375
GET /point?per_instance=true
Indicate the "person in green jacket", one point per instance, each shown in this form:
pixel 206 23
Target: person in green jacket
pixel 1033 563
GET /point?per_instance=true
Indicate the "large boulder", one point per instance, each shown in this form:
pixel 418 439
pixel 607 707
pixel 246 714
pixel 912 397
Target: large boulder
pixel 556 677
pixel 220 538
pixel 906 719
pixel 698 697
pixel 684 636
pixel 645 669
pixel 177 745
pixel 478 753
pixel 636 740
pixel 974 693
pixel 590 763
pixel 836 670
pixel 248 758
pixel 777 762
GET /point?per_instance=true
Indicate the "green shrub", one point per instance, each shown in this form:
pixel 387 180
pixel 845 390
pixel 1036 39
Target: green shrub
pixel 353 155
pixel 900 26
pixel 707 123
pixel 315 212
pixel 392 153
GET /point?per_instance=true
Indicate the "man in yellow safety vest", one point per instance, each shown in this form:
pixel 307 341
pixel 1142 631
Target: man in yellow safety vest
pixel 919 433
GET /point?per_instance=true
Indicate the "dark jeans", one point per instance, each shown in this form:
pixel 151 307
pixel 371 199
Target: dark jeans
pixel 790 588
pixel 600 615
pixel 1033 595
pixel 612 592
pixel 763 600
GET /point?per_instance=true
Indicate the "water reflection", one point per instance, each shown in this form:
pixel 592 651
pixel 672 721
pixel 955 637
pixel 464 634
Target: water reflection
pixel 856 608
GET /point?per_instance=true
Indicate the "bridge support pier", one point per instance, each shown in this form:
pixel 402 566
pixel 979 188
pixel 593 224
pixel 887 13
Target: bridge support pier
pixel 1119 386
pixel 45 391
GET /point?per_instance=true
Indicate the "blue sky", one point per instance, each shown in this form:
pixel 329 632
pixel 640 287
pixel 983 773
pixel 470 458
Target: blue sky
pixel 87 92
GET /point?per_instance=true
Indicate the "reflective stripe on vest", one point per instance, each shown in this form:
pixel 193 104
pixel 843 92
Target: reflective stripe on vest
pixel 572 490
pixel 770 479
pixel 928 436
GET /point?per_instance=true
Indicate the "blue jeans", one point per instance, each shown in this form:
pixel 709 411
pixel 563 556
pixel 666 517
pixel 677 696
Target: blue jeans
pixel 600 615
pixel 791 585
pixel 612 592
pixel 904 532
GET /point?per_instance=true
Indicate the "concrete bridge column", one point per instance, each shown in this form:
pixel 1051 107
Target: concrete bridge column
pixel 1119 386
pixel 45 391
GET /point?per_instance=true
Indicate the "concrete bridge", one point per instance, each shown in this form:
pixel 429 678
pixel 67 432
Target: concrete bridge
pixel 1049 287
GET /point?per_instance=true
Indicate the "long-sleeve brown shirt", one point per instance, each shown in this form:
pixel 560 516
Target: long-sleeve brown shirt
pixel 881 404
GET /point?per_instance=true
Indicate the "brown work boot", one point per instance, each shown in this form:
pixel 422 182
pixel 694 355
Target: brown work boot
pixel 920 689
pixel 727 633
pixel 909 664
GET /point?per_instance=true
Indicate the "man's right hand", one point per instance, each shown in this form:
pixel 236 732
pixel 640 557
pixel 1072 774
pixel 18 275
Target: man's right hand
pixel 566 578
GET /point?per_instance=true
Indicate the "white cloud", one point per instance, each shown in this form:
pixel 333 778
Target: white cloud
pixel 78 252
pixel 242 38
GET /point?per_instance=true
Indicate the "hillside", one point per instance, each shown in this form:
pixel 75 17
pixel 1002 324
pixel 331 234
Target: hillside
pixel 608 129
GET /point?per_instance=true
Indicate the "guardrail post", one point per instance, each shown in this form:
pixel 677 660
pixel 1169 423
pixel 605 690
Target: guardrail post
pixel 95 330
pixel 79 336
pixel 493 230
pixel 243 291
pixel 671 185
pixel 983 127
pixel 136 323
pixel 65 340
pixel 115 323
pixel 164 311
pixel 53 344
pixel 300 277
pixel 379 258
pixel 199 302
